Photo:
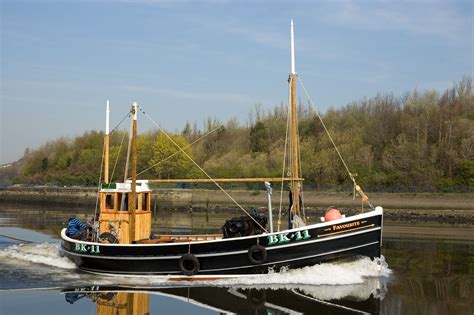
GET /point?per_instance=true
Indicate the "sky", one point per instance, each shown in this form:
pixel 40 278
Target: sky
pixel 184 61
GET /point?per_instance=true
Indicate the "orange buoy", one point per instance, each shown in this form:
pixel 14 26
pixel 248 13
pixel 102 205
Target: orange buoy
pixel 332 214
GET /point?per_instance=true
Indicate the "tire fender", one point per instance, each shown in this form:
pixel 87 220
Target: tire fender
pixel 189 264
pixel 257 254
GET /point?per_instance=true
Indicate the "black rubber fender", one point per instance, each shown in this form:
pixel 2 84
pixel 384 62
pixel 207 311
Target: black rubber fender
pixel 189 264
pixel 257 254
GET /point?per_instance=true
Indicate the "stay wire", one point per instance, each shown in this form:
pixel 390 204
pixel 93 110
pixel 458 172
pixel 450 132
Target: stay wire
pixel 100 181
pixel 284 158
pixel 185 147
pixel 118 155
pixel 121 121
pixel 201 169
pixel 332 141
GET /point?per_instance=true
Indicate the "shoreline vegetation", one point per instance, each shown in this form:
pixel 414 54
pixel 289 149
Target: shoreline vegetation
pixel 417 142
pixel 435 207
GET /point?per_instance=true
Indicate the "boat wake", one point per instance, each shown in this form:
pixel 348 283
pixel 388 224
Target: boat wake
pixel 343 273
pixel 348 278
pixel 42 253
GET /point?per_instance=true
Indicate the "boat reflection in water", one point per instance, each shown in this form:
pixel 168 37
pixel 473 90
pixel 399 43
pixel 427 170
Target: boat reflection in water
pixel 274 299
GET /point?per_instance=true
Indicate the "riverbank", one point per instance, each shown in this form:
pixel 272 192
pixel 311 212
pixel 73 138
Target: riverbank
pixel 453 208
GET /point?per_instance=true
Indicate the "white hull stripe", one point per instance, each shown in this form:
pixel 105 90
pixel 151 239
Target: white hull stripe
pixel 225 253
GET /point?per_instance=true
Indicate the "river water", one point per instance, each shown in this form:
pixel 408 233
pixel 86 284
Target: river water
pixel 426 268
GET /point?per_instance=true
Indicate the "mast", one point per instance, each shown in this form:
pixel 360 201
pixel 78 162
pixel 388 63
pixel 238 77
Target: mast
pixel 106 144
pixel 294 154
pixel 132 197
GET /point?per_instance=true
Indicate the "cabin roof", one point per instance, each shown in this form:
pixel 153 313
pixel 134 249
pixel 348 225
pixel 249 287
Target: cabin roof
pixel 142 186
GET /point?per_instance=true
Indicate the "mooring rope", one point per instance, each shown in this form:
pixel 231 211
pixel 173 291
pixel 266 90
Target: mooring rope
pixel 16 239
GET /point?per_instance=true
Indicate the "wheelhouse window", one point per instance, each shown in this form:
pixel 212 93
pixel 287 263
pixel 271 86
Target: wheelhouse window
pixel 146 201
pixel 109 202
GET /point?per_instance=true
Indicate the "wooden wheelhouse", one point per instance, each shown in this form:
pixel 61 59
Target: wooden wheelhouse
pixel 127 220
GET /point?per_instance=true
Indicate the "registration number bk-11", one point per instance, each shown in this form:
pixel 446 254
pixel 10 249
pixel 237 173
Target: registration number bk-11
pixel 84 248
pixel 287 237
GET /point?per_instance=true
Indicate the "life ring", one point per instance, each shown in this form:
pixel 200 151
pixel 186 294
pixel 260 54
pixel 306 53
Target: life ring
pixel 257 254
pixel 189 264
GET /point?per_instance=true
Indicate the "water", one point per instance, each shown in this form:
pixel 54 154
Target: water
pixel 418 274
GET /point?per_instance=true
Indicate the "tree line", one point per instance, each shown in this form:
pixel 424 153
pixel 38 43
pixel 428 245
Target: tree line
pixel 414 142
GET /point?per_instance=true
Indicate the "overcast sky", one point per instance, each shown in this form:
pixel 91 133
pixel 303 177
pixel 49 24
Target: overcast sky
pixel 187 60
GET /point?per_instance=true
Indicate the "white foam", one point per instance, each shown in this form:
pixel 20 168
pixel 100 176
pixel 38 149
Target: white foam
pixel 351 272
pixel 43 253
pixel 375 287
pixel 327 274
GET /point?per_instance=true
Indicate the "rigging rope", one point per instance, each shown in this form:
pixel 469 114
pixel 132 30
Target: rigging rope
pixel 121 121
pixel 100 182
pixel 185 147
pixel 201 169
pixel 356 187
pixel 301 175
pixel 284 159
pixel 102 165
pixel 118 155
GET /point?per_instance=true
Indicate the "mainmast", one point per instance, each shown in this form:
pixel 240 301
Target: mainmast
pixel 294 154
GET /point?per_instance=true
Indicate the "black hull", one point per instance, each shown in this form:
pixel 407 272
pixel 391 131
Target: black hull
pixel 354 236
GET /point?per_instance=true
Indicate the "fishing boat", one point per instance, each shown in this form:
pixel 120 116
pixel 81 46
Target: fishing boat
pixel 125 244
